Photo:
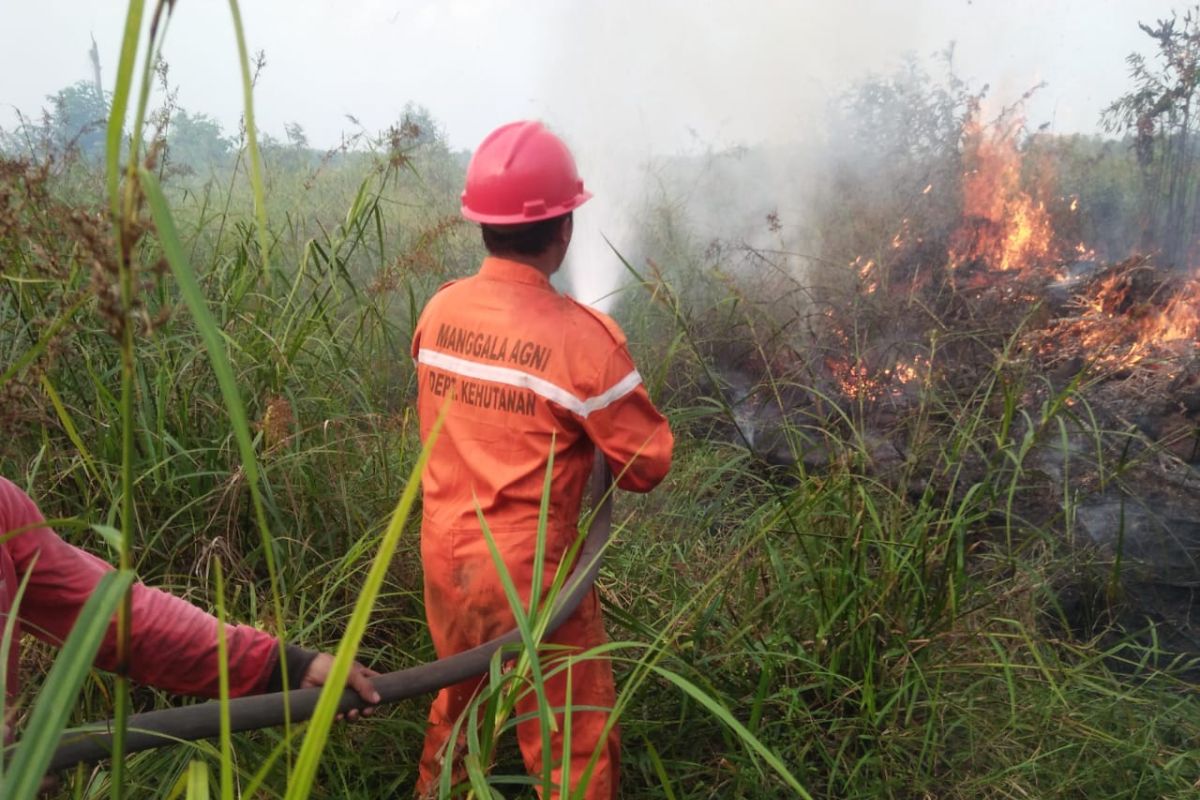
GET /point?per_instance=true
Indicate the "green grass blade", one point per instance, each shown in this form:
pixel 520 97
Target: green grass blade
pixel 721 713
pixel 256 171
pixel 52 330
pixel 89 462
pixel 120 103
pixel 10 630
pixel 57 698
pixel 659 770
pixel 303 775
pixel 214 343
pixel 529 656
pixel 223 682
pixel 539 556
pixel 207 327
pixel 568 727
pixel 254 786
pixel 197 783
pixel 479 784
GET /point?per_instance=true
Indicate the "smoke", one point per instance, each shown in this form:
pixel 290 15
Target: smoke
pixel 670 101
pixel 636 88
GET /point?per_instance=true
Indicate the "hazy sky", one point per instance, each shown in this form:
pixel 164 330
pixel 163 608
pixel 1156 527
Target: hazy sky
pixel 621 80
pixel 670 71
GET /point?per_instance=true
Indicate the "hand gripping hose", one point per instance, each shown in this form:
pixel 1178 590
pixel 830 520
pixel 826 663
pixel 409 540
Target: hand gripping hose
pixel 203 720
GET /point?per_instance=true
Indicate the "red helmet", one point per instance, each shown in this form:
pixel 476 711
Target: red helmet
pixel 521 173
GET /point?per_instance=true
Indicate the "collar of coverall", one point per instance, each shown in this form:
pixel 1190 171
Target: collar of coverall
pixel 502 269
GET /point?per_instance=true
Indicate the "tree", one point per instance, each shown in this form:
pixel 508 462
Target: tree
pixel 895 164
pixel 73 124
pixel 76 120
pixel 1162 113
pixel 295 134
pixel 197 141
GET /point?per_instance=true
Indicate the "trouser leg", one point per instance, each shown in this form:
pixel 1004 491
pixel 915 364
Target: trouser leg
pixel 447 707
pixel 591 683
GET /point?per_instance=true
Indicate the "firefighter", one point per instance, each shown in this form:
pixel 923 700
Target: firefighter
pixel 522 371
pixel 173 644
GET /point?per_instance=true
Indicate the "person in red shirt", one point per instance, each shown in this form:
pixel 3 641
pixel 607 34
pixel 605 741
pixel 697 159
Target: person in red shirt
pixel 173 643
pixel 523 372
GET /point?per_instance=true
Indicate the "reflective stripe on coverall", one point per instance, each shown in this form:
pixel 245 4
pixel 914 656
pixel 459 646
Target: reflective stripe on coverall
pixel 523 368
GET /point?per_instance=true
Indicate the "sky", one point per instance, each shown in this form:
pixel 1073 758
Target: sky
pixel 623 81
pixel 675 73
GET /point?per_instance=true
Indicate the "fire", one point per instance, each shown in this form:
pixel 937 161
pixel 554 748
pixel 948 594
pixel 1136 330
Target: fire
pixel 1123 317
pixel 1150 326
pixel 857 381
pixel 853 379
pixel 1115 317
pixel 1003 226
pixel 908 371
pixel 1129 316
pixel 866 270
pixel 1179 320
pixel 901 237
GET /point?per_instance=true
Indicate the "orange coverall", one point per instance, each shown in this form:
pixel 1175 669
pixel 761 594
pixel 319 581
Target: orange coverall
pixel 525 368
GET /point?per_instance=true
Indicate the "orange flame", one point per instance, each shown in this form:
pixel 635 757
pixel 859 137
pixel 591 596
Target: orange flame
pixel 1119 327
pixel 1179 320
pixel 857 381
pixel 866 270
pixel 1002 224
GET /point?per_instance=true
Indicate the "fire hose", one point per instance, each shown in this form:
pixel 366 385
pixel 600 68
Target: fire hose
pixel 153 729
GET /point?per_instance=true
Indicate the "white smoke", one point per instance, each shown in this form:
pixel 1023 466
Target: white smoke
pixel 628 82
pixel 630 85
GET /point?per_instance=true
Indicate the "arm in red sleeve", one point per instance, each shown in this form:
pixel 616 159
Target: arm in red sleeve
pixel 174 644
pixel 623 422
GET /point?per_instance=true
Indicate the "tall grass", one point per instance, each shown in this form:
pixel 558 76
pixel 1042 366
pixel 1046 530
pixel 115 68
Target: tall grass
pixel 140 187
pixel 290 334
